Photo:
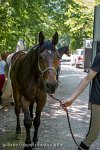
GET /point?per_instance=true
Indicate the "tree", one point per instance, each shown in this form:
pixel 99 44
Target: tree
pixel 26 18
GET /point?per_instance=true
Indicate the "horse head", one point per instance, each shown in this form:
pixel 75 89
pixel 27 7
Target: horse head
pixel 67 50
pixel 64 50
pixel 48 58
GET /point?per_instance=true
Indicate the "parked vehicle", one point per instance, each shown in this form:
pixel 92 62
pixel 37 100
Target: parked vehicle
pixel 77 58
pixel 65 58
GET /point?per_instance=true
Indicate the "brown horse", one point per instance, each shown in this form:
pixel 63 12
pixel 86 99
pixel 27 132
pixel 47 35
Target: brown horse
pixel 63 50
pixel 33 75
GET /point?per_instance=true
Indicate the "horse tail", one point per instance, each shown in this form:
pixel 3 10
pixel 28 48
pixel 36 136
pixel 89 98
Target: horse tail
pixel 7 88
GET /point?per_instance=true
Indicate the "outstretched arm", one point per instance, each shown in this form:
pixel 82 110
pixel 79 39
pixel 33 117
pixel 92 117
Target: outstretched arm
pixel 81 87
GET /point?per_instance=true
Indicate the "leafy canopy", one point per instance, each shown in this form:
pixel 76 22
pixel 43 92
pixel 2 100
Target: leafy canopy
pixel 26 18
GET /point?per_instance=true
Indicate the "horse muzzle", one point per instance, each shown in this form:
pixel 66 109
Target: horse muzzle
pixel 51 87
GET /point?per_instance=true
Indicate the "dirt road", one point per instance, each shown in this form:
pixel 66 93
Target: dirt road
pixel 54 133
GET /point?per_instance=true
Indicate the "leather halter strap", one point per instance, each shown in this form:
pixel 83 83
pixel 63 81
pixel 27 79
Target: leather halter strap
pixel 46 69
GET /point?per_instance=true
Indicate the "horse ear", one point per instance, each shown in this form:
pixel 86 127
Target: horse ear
pixel 41 38
pixel 55 38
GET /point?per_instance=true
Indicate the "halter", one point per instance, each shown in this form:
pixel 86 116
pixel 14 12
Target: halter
pixel 48 68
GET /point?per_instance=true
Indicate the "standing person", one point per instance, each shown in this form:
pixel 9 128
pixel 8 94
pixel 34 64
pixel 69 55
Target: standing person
pixel 21 45
pixel 2 77
pixel 94 99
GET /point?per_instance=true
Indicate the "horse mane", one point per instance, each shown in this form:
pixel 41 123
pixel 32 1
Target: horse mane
pixel 29 64
pixel 32 57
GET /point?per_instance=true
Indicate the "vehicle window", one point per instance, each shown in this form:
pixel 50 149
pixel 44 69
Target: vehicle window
pixel 82 52
pixel 77 53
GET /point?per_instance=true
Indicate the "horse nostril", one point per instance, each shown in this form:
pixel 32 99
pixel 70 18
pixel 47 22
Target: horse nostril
pixel 52 87
pixel 48 85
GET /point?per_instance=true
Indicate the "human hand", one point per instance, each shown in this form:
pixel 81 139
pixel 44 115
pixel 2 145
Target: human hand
pixel 66 103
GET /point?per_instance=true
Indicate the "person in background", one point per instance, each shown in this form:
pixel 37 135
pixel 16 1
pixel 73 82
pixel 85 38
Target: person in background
pixel 21 45
pixel 2 77
pixel 7 88
pixel 94 99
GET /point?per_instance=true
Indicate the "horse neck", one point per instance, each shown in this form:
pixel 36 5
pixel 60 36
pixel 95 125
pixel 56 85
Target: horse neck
pixel 31 59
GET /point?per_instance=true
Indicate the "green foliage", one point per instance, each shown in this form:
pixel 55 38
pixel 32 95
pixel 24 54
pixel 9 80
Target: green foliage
pixel 97 2
pixel 80 24
pixel 26 18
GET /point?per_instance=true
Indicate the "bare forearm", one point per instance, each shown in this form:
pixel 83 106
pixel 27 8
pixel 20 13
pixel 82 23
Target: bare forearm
pixel 83 84
pixel 81 87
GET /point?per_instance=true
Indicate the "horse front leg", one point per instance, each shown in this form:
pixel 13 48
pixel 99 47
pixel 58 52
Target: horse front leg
pixel 37 120
pixel 31 109
pixel 36 124
pixel 16 97
pixel 27 122
pixel 17 112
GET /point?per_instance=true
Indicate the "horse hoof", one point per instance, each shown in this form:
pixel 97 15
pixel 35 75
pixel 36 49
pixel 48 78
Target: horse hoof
pixel 27 148
pixel 35 140
pixel 34 145
pixel 28 145
pixel 28 141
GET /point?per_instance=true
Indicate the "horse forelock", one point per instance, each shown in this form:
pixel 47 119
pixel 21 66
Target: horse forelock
pixel 46 45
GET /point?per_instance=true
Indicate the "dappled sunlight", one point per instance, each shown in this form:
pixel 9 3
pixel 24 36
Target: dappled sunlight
pixel 72 75
pixel 77 115
pixel 54 124
pixel 58 113
pixel 77 112
pixel 56 105
pixel 45 114
pixel 54 127
pixel 58 123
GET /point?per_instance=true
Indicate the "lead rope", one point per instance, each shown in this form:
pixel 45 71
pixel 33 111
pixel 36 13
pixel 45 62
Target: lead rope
pixel 68 122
